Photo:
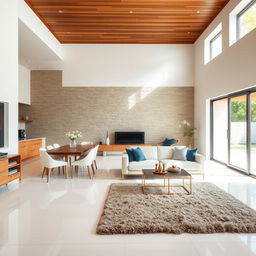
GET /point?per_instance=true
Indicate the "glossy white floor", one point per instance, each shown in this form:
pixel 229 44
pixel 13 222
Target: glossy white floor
pixel 59 218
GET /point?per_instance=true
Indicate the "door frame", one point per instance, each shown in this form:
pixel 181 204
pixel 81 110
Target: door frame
pixel 248 93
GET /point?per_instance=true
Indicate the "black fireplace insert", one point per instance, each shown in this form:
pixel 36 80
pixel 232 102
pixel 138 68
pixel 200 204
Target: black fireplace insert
pixel 129 138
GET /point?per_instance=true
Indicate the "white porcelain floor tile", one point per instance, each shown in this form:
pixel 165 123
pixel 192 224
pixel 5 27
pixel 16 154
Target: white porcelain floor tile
pixel 60 218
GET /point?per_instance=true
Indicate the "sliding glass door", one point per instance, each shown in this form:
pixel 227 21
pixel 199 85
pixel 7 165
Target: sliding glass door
pixel 238 132
pixel 233 131
pixel 253 133
pixel 220 129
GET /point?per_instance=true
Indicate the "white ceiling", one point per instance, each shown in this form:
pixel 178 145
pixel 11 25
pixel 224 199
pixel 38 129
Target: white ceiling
pixel 32 50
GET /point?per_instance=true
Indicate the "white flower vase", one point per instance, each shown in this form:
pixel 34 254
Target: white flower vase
pixel 107 141
pixel 72 143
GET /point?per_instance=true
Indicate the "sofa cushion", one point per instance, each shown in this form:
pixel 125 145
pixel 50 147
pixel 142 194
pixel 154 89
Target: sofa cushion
pixel 169 142
pixel 130 154
pixel 150 152
pixel 138 154
pixel 187 165
pixel 138 166
pixel 180 153
pixel 165 152
pixel 191 154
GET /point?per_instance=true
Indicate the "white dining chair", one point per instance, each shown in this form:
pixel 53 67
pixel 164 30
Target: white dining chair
pixel 49 147
pixel 56 145
pixel 49 164
pixel 95 156
pixel 84 162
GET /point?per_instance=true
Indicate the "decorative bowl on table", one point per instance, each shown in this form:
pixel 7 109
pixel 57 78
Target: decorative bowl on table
pixel 160 173
pixel 174 168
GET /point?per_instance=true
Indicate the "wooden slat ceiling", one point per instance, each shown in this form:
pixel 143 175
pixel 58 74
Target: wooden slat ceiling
pixel 127 21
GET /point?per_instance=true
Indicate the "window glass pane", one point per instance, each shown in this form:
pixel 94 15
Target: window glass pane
pixel 253 133
pixel 220 128
pixel 216 46
pixel 238 132
pixel 247 21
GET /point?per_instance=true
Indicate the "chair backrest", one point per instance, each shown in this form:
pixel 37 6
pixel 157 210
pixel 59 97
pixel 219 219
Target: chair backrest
pixel 95 151
pixel 49 147
pixel 46 158
pixel 88 159
pixel 84 143
pixel 56 145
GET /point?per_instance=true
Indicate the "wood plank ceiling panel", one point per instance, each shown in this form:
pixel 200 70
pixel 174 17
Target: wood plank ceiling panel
pixel 127 21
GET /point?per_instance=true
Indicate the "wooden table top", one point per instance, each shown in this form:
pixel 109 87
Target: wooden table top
pixel 67 150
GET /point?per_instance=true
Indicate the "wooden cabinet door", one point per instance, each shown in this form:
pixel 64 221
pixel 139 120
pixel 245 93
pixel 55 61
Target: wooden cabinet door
pixel 23 150
pixel 3 170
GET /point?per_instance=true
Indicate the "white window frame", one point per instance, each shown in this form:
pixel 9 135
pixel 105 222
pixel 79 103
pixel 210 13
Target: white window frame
pixel 211 44
pixel 208 41
pixel 238 16
pixel 242 7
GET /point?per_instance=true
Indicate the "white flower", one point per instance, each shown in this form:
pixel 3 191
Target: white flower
pixel 184 121
pixel 188 124
pixel 179 125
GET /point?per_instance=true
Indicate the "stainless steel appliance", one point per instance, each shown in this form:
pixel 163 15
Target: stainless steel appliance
pixel 22 134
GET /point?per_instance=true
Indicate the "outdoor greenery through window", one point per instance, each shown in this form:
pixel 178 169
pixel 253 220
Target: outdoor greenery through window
pixel 238 111
pixel 247 19
pixel 233 130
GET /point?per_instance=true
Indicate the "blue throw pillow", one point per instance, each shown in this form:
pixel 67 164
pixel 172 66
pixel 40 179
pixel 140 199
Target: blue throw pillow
pixel 130 154
pixel 191 154
pixel 138 154
pixel 169 142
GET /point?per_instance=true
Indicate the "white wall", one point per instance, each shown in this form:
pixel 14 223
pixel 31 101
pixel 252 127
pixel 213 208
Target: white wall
pixel 29 18
pixel 9 69
pixel 125 65
pixel 233 70
pixel 24 85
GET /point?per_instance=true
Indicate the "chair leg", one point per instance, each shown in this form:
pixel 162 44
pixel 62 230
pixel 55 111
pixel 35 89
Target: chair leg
pixel 72 171
pixel 93 171
pixel 89 172
pixel 95 164
pixel 66 171
pixel 49 174
pixel 43 172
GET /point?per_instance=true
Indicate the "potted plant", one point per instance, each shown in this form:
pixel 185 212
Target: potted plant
pixel 73 136
pixel 189 131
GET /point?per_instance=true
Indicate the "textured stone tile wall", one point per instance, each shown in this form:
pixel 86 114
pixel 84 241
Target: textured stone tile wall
pixel 56 110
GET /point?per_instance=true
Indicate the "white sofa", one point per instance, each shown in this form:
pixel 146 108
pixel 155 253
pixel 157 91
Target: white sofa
pixel 163 154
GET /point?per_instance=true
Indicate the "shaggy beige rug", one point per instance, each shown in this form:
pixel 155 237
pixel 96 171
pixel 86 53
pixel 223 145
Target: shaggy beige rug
pixel 208 210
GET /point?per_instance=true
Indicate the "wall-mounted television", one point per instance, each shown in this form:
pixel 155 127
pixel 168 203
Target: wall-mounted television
pixel 2 124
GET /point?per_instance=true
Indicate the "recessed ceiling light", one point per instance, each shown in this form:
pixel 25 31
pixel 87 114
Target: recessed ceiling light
pixel 131 12
pixel 188 32
pixel 60 11
pixel 198 11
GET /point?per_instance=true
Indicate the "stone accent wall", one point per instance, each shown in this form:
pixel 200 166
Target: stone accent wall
pixel 56 110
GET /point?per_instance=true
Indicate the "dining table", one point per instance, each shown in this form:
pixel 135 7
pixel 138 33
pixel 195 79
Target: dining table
pixel 66 151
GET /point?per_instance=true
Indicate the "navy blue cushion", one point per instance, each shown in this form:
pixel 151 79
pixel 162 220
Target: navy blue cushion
pixel 169 142
pixel 130 154
pixel 191 154
pixel 138 154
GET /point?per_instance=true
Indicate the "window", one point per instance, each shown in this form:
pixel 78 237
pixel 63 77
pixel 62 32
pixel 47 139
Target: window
pixel 216 46
pixel 246 19
pixel 233 130
pixel 213 44
pixel 242 20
